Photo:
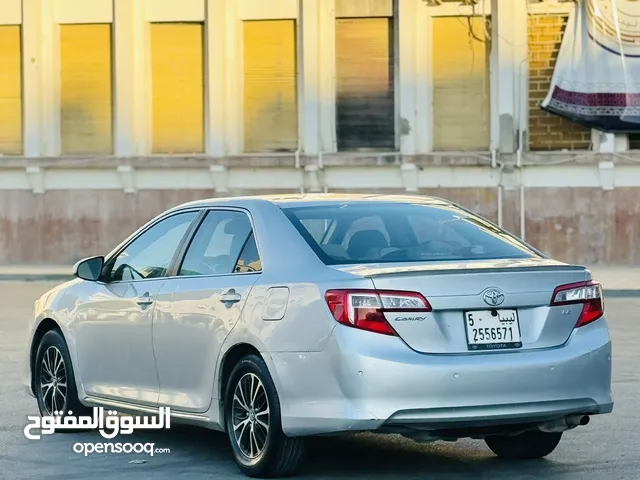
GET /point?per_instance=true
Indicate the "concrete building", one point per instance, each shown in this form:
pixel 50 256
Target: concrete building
pixel 113 110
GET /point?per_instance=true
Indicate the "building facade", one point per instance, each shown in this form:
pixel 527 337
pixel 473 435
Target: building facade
pixel 114 110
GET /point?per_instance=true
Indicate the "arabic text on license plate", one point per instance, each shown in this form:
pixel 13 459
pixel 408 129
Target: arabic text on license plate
pixel 492 329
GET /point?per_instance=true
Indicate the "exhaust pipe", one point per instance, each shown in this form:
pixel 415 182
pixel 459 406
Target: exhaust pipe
pixel 566 423
pixel 577 420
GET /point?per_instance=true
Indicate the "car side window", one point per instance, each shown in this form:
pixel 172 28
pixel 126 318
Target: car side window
pixel 150 254
pixel 249 259
pixel 217 244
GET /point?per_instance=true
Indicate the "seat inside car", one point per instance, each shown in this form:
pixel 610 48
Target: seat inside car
pixel 238 228
pixel 363 242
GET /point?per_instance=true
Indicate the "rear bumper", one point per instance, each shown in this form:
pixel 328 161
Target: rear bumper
pixel 365 381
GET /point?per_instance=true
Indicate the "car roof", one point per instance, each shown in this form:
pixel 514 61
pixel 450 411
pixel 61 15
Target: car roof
pixel 314 199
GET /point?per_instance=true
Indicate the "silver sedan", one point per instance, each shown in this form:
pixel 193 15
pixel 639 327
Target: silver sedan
pixel 279 317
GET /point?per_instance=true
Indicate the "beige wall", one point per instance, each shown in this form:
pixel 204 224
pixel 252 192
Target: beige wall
pixel 585 224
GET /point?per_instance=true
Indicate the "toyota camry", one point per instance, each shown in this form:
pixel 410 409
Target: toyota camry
pixel 276 318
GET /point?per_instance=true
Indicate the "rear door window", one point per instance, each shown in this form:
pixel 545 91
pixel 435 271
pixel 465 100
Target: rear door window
pixel 217 244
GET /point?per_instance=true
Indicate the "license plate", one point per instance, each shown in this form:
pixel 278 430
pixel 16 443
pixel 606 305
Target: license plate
pixel 492 329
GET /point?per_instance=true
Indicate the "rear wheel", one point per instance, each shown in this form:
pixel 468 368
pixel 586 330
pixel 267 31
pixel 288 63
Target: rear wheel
pixel 526 445
pixel 55 383
pixel 253 423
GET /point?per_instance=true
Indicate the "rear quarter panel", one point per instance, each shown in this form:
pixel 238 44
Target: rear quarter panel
pixel 288 262
pixel 307 323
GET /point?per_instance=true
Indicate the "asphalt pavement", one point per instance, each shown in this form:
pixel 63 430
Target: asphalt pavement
pixel 607 448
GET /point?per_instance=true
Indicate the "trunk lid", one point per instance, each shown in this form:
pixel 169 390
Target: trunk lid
pixel 480 305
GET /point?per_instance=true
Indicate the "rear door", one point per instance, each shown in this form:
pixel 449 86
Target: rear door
pixel 198 307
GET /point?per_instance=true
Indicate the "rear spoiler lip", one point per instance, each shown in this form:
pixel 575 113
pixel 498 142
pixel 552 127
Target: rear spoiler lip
pixel 459 271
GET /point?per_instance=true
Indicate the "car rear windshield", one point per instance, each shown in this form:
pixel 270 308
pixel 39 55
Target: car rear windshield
pixel 375 232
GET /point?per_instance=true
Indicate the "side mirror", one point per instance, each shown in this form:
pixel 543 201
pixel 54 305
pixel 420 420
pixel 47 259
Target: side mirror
pixel 89 269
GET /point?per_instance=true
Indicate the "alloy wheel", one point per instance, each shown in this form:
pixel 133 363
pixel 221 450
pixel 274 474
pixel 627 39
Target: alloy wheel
pixel 250 416
pixel 53 381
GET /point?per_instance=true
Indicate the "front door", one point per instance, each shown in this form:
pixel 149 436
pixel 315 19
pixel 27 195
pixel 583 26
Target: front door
pixel 196 310
pixel 113 328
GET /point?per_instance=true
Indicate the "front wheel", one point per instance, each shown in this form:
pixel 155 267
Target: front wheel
pixel 527 445
pixel 55 383
pixel 253 423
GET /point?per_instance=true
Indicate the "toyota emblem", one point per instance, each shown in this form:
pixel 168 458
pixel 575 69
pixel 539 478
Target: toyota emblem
pixel 493 297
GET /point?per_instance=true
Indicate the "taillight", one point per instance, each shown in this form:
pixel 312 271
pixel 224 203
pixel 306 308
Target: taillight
pixel 364 309
pixel 587 293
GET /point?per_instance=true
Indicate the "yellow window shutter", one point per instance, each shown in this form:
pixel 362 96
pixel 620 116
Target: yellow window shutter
pixel 177 72
pixel 364 83
pixel 270 93
pixel 461 103
pixel 86 108
pixel 10 90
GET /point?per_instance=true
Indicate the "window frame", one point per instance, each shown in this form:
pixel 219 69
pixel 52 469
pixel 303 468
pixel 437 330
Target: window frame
pixel 182 251
pixel 113 256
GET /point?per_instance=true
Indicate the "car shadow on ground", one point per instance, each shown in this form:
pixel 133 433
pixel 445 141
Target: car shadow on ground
pixel 365 456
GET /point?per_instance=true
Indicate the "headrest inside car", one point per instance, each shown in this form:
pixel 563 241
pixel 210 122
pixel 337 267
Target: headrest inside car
pixel 239 226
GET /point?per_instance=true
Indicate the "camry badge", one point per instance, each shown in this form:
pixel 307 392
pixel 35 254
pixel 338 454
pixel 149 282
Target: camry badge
pixel 411 319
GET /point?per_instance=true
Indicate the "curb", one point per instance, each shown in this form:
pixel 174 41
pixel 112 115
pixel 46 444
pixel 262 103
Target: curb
pixel 46 277
pixel 621 293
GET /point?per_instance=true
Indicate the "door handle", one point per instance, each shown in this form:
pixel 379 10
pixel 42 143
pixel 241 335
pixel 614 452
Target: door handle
pixel 144 300
pixel 230 296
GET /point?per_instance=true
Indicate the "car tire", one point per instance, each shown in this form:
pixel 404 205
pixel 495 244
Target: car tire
pixel 527 445
pixel 254 426
pixel 55 382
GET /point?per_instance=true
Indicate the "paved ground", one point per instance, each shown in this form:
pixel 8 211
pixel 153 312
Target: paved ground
pixel 605 449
